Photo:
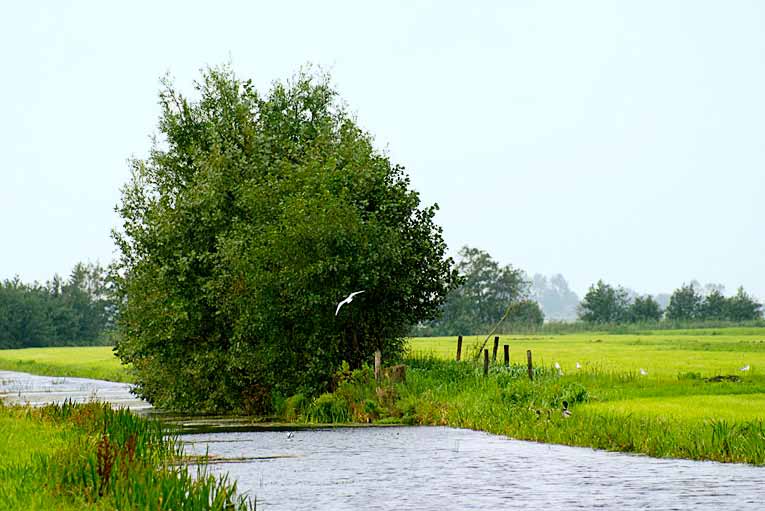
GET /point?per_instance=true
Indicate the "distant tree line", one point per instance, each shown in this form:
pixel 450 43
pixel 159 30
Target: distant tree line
pixel 487 293
pixel 60 312
pixel 606 304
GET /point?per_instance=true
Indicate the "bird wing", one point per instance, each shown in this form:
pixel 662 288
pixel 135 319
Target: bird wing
pixel 348 299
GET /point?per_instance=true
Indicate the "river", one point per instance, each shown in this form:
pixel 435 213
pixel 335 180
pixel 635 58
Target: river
pixel 432 468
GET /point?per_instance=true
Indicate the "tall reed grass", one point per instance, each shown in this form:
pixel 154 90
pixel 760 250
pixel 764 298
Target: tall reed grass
pixel 113 459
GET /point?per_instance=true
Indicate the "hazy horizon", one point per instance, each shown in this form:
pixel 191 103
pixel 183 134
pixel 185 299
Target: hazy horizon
pixel 597 140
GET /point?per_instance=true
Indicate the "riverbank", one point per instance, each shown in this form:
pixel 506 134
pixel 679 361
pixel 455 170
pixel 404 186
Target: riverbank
pixel 506 402
pixel 691 399
pixel 71 457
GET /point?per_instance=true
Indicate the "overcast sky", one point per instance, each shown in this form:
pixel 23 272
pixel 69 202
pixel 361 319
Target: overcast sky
pixel 613 140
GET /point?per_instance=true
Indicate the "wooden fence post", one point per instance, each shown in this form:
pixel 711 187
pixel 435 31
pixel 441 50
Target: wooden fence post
pixel 485 362
pixel 378 364
pixel 531 367
pixel 459 348
pixel 507 355
pixel 494 351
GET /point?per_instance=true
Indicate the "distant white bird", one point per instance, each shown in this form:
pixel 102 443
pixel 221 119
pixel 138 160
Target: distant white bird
pixel 290 435
pixel 578 365
pixel 643 372
pixel 745 368
pixel 348 299
pixel 557 366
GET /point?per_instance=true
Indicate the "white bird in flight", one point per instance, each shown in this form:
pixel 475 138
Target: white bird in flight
pixel 643 372
pixel 745 368
pixel 349 299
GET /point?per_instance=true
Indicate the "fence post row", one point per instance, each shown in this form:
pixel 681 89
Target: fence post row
pixel 459 348
pixel 494 351
pixel 485 362
pixel 507 355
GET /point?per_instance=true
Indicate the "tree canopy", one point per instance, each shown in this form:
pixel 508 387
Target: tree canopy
pixel 253 216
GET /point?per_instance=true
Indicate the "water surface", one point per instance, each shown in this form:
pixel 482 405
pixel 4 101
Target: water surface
pixel 436 468
pixel 23 388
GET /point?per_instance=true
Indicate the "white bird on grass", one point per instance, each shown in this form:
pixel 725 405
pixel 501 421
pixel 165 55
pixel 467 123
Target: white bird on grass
pixel 348 299
pixel 643 372
pixel 557 366
pixel 578 365
pixel 745 368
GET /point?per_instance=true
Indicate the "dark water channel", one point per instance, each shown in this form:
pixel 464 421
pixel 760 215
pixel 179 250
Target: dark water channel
pixel 424 468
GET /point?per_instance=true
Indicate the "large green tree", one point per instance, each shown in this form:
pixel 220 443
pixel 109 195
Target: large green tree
pixel 253 216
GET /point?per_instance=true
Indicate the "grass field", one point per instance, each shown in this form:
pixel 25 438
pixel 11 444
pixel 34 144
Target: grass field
pixel 96 362
pixel 663 354
pixel 677 363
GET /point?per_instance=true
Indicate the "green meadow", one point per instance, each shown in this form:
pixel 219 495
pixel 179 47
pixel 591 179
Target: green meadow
pixel 680 367
pixel 96 362
pixel 663 354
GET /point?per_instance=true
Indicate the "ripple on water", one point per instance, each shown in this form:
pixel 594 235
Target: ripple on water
pixel 445 468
